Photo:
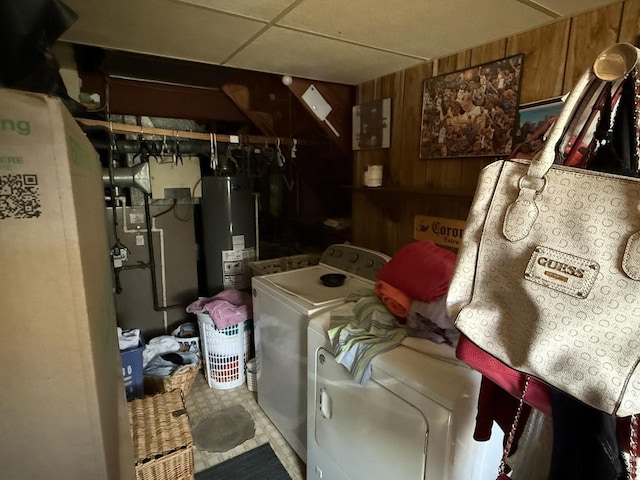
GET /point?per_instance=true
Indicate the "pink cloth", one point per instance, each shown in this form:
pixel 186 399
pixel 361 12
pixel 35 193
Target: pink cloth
pixel 421 269
pixel 395 300
pixel 226 308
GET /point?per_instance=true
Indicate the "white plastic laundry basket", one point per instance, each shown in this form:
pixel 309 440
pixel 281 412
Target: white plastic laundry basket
pixel 224 353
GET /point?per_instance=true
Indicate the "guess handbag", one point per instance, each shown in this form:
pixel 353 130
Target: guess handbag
pixel 547 278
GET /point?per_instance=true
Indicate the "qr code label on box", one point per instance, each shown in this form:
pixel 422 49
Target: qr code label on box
pixel 19 196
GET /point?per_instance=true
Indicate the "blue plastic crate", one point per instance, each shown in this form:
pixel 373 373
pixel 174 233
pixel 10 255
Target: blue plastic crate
pixel 132 371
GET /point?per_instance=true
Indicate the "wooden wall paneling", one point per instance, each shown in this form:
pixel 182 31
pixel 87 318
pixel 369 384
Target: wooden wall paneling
pixel 630 24
pixel 371 232
pixel 382 156
pixel 365 93
pixel 489 52
pixel 545 54
pixel 405 225
pixel 384 231
pixel 412 171
pixel 555 55
pixel 470 171
pixel 451 63
pixel 591 33
pixel 359 220
pixel 393 176
pixel 387 87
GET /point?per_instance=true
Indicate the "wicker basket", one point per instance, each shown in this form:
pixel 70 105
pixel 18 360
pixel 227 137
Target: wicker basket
pixel 162 441
pixel 181 379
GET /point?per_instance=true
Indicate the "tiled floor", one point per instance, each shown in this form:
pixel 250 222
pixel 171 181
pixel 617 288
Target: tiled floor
pixel 203 400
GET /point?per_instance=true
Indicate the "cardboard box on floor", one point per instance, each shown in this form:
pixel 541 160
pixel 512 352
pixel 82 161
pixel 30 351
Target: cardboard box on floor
pixel 62 401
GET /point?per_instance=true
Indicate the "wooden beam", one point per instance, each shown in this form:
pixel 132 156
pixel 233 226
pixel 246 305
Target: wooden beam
pixel 222 138
pixel 241 97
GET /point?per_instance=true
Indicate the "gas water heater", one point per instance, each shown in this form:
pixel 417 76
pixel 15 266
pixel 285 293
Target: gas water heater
pixel 229 231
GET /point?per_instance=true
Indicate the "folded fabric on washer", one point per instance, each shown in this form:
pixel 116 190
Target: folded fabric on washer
pixel 359 331
pixel 226 308
pixel 430 320
pixel 395 299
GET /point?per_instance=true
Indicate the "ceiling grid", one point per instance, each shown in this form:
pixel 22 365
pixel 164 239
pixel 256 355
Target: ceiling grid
pixel 325 40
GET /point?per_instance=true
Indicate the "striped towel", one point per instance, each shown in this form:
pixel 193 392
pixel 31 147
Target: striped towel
pixel 361 330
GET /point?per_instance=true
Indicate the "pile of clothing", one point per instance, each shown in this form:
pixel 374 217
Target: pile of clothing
pixel 163 356
pixel 361 329
pixel 413 285
pixel 408 299
pixel 227 308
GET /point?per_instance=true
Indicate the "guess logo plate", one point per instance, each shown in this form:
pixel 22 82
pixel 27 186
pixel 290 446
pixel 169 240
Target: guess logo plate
pixel 561 271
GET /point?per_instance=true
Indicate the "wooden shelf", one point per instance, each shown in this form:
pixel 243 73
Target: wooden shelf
pixel 414 192
pixel 393 200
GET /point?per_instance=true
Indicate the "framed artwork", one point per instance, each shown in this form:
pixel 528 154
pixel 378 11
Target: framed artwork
pixel 534 120
pixel 472 112
pixel 372 125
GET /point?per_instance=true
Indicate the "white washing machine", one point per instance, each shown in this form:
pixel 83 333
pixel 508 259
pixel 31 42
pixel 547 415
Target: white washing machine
pixel 413 420
pixel 283 304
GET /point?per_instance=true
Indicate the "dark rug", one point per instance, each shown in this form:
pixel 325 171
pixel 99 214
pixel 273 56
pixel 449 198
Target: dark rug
pixel 261 463
pixel 224 429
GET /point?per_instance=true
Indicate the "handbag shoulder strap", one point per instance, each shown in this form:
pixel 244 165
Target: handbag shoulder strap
pixel 577 148
pixel 521 215
pixel 614 63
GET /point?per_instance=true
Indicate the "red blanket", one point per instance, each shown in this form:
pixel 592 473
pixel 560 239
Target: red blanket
pixel 421 270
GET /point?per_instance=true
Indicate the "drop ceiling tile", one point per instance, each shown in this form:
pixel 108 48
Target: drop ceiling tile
pixel 265 10
pixel 422 28
pixel 159 27
pixel 294 53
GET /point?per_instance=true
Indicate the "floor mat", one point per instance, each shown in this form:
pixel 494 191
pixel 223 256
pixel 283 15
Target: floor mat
pixel 261 463
pixel 224 429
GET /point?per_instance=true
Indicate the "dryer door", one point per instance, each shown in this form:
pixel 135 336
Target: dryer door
pixel 367 431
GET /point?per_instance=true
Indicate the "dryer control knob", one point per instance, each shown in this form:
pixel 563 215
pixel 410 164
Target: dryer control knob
pixel 353 258
pixel 369 263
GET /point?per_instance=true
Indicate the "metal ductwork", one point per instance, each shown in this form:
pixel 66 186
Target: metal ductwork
pixel 130 177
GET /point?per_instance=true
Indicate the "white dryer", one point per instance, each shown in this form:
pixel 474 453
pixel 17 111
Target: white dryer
pixel 414 419
pixel 283 304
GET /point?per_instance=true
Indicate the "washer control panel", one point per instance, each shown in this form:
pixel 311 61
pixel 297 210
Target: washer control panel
pixel 356 260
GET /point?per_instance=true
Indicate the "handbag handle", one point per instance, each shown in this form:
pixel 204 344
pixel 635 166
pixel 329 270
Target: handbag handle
pixel 616 62
pixel 521 215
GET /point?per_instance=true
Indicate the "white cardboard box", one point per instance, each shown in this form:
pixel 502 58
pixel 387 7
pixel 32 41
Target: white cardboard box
pixel 62 400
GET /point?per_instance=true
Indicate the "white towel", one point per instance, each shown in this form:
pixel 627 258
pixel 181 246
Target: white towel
pixel 370 329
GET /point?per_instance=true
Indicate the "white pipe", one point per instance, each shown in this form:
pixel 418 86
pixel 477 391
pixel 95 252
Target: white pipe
pixel 163 273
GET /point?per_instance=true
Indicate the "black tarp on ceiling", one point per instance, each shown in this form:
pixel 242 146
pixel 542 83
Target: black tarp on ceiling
pixel 28 29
